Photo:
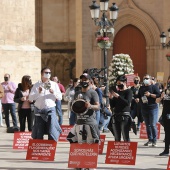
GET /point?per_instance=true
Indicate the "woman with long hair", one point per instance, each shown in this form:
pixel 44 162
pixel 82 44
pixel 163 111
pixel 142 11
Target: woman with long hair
pixel 24 105
pixel 120 103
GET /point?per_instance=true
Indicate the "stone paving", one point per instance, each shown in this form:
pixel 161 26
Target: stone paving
pixel 147 157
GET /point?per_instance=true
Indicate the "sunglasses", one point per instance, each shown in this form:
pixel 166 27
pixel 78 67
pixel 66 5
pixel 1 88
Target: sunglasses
pixel 146 78
pixel 47 72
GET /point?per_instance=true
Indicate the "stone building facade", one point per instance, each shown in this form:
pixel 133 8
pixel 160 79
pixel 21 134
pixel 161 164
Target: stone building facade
pixel 60 34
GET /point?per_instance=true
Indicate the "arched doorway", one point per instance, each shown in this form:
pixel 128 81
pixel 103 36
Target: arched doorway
pixel 130 40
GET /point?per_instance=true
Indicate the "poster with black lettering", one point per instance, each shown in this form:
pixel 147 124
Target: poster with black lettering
pixel 168 166
pixel 65 130
pixel 121 153
pixel 143 133
pixel 101 144
pixel 83 155
pixel 21 140
pixel 41 150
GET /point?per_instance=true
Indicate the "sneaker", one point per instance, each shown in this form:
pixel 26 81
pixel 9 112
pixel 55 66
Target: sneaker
pixel 106 130
pixel 149 143
pixel 154 144
pixel 164 153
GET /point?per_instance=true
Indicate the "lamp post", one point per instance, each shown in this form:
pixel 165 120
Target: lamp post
pixel 106 28
pixel 163 39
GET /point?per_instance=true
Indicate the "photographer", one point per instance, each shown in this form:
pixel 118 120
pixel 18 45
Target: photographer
pixel 120 103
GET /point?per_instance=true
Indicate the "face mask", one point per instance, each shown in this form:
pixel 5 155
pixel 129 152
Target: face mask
pixel 146 82
pixel 30 82
pixel 47 76
pixel 120 86
pixel 84 84
pixel 136 81
pixel 6 78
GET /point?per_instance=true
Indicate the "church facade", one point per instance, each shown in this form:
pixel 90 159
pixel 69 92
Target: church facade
pixel 61 34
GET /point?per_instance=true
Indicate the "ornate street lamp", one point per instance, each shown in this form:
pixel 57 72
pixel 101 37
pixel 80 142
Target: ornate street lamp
pixel 106 28
pixel 163 39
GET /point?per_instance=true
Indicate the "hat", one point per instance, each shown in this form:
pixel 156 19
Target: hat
pixel 87 76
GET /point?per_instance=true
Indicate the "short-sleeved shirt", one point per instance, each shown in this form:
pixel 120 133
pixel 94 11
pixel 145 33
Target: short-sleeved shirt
pixel 89 117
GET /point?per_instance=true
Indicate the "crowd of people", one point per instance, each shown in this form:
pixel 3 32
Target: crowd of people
pixel 40 105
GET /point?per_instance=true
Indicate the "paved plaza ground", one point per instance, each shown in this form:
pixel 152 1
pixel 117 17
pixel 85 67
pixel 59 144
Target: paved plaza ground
pixel 147 157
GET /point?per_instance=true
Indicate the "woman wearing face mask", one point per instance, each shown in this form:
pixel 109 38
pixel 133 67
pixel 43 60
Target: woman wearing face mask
pixel 147 96
pixel 120 103
pixel 135 105
pixel 24 105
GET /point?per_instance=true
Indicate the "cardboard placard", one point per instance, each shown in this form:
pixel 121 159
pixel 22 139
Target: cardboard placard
pixel 65 130
pixel 160 76
pixel 83 155
pixel 121 153
pixel 143 133
pixel 21 140
pixel 41 150
pixel 101 144
pixel 168 166
pixel 130 77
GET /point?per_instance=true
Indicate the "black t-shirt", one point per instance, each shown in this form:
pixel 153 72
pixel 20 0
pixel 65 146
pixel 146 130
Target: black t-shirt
pixel 122 103
pixel 153 89
pixel 89 117
pixel 166 104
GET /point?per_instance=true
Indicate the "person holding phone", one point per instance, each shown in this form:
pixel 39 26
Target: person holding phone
pixel 120 103
pixel 147 95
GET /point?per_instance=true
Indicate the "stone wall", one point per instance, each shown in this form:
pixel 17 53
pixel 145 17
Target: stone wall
pixel 18 54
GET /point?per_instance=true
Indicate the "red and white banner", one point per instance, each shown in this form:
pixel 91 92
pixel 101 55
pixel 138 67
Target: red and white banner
pixel 41 150
pixel 101 144
pixel 83 155
pixel 121 153
pixel 143 133
pixel 65 130
pixel 130 79
pixel 168 166
pixel 21 140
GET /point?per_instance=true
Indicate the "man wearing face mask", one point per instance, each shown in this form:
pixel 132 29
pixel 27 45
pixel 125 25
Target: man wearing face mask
pixel 120 103
pixel 86 128
pixel 8 100
pixel 147 96
pixel 45 93
pixel 135 105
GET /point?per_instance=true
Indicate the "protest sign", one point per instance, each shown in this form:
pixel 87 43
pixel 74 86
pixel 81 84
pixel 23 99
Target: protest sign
pixel 83 155
pixel 143 133
pixel 121 153
pixel 65 130
pixel 168 166
pixel 101 144
pixel 130 77
pixel 21 140
pixel 41 150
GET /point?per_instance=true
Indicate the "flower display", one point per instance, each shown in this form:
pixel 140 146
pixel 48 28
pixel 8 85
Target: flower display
pixel 103 42
pixel 168 56
pixel 121 64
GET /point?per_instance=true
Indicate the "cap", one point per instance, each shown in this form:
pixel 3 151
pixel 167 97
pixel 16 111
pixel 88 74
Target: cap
pixel 87 76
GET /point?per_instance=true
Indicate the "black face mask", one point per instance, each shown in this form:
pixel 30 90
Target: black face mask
pixel 84 84
pixel 6 78
pixel 120 86
pixel 136 81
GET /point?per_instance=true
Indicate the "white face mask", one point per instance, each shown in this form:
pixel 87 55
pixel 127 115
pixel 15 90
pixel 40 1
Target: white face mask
pixel 47 76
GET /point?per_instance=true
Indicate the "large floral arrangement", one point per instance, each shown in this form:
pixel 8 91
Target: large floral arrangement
pixel 121 64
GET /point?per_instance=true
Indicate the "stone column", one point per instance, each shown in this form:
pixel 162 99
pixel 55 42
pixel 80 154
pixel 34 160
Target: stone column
pixel 18 53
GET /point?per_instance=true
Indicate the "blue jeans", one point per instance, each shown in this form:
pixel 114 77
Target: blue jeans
pixel 59 111
pixel 72 119
pixel 97 116
pixel 104 122
pixel 11 107
pixel 151 118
